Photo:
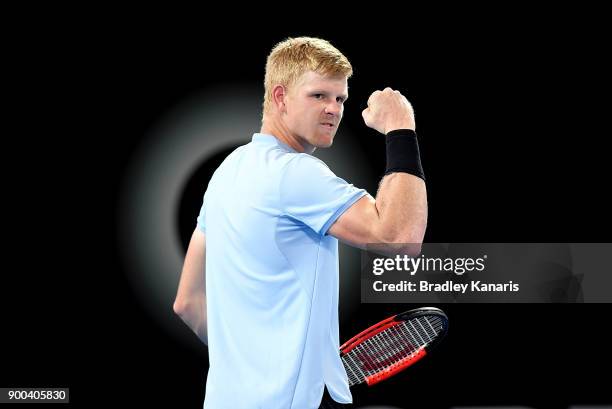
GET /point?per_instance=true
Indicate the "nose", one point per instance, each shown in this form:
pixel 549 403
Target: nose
pixel 333 109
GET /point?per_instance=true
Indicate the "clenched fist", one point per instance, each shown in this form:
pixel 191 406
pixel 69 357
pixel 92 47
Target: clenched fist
pixel 388 110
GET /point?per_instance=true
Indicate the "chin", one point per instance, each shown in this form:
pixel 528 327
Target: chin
pixel 325 143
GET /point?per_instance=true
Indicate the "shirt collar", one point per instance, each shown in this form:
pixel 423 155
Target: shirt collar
pixel 271 140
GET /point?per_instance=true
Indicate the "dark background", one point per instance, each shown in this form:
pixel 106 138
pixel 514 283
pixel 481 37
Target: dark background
pixel 513 145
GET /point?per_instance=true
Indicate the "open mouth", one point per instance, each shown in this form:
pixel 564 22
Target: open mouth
pixel 328 125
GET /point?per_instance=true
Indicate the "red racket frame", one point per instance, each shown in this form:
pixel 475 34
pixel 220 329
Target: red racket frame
pixel 388 323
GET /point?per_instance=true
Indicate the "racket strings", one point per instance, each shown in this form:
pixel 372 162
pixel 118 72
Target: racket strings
pixel 397 343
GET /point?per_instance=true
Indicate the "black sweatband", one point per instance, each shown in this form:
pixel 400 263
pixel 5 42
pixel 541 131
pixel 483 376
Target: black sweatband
pixel 403 153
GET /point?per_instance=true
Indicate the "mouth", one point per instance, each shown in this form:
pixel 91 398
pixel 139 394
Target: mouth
pixel 328 125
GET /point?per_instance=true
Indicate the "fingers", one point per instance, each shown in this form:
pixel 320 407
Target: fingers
pixel 387 91
pixel 373 96
pixel 387 110
pixel 366 116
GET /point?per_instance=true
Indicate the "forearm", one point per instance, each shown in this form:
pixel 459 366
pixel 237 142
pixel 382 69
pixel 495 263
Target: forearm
pixel 401 203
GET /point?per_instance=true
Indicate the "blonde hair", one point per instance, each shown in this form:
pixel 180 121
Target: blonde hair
pixel 291 58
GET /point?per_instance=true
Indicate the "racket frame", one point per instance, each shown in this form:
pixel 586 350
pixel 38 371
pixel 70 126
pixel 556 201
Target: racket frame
pixel 391 322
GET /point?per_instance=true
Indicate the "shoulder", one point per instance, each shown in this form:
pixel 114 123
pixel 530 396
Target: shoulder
pixel 305 164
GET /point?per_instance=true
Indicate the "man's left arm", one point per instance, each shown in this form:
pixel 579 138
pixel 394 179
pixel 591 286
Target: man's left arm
pixel 190 303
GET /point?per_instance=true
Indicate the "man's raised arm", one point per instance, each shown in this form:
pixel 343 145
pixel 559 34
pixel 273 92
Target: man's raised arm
pixel 399 212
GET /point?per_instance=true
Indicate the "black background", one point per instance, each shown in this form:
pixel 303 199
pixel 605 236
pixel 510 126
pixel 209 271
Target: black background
pixel 513 141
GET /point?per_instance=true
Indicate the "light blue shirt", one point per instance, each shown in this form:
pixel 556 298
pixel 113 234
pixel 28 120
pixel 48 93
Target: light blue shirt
pixel 272 279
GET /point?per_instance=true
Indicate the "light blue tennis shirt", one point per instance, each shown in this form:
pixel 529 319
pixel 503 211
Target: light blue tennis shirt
pixel 272 279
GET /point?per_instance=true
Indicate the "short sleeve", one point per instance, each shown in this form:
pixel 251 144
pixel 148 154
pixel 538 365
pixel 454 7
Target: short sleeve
pixel 311 193
pixel 201 220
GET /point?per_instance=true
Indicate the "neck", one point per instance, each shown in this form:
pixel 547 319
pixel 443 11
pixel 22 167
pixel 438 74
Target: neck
pixel 276 127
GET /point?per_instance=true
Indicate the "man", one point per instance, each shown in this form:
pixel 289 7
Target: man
pixel 260 280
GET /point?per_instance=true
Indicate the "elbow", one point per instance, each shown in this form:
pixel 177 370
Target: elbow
pixel 408 244
pixel 186 312
pixel 413 237
pixel 180 307
pixel 408 241
pixel 409 235
pixel 191 313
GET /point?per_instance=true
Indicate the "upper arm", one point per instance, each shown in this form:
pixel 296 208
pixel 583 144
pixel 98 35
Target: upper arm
pixel 192 282
pixel 358 225
pixel 190 303
pixel 398 217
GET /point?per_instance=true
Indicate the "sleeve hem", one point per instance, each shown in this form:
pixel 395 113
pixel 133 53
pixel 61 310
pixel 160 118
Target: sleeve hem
pixel 201 227
pixel 356 196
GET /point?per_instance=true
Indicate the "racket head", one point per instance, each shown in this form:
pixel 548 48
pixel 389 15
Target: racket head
pixel 392 345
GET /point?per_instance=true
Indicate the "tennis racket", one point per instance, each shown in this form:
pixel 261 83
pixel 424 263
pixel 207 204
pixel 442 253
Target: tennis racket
pixel 392 345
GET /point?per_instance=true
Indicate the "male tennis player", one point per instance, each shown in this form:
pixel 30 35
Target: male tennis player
pixel 260 280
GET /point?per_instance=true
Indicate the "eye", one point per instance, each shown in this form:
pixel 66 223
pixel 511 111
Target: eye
pixel 318 96
pixel 340 100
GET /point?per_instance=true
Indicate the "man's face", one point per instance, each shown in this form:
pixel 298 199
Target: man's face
pixel 314 108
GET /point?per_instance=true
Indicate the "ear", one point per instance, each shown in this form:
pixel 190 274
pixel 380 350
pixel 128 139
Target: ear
pixel 279 93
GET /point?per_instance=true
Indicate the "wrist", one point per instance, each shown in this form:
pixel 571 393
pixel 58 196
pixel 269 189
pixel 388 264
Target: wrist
pixel 399 126
pixel 403 153
pixel 406 132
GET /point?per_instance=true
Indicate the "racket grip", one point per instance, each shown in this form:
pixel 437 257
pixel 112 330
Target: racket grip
pixel 395 368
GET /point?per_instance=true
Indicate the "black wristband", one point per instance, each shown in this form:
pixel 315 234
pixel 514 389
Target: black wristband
pixel 403 153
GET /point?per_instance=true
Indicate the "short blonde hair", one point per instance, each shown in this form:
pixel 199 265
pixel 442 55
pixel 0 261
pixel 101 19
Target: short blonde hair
pixel 291 58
